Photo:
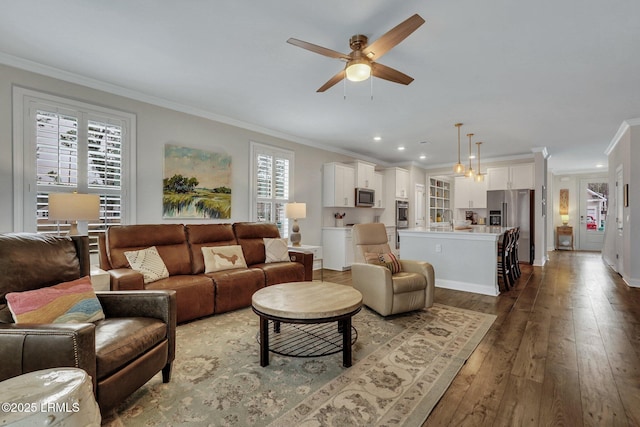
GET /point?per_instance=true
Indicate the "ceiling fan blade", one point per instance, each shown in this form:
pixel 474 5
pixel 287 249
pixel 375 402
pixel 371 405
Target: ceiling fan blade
pixel 375 50
pixel 388 73
pixel 318 49
pixel 332 81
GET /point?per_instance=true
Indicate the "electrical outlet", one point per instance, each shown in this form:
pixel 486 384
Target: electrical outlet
pixel 438 248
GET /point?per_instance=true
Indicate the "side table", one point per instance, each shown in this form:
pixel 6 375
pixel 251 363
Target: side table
pixel 564 238
pixel 318 263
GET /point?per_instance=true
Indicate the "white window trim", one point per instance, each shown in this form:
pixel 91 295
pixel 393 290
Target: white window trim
pixel 24 177
pixel 256 146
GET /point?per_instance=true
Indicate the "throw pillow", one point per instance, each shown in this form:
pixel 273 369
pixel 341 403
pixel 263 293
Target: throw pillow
pixel 148 262
pixel 220 258
pixel 68 302
pixel 388 260
pixel 276 250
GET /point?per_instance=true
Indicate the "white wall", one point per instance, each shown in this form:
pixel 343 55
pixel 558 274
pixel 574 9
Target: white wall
pixel 625 151
pixel 156 127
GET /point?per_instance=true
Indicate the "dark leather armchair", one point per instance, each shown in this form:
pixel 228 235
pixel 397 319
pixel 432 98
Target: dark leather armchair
pixel 132 344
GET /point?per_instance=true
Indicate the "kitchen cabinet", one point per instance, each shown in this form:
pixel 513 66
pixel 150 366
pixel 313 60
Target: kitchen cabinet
pixel 439 200
pixel 338 245
pixel 365 174
pixel 378 187
pixel 469 194
pixel 338 185
pixel 511 177
pixel 397 182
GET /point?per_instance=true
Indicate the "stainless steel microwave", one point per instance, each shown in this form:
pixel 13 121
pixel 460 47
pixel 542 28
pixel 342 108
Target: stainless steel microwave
pixel 365 197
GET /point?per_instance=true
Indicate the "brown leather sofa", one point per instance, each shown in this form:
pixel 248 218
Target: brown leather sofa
pixel 199 294
pixel 135 341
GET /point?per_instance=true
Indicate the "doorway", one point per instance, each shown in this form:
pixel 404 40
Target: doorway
pixel 594 207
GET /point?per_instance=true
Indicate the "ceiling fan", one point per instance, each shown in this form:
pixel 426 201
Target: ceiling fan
pixel 361 62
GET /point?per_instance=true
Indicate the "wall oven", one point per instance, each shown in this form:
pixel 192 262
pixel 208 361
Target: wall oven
pixel 402 218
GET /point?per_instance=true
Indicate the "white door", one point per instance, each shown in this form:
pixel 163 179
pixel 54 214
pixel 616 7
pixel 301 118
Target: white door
pixel 594 205
pixel 420 206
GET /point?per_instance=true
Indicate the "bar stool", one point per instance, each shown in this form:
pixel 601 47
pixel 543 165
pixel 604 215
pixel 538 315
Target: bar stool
pixel 504 260
pixel 515 265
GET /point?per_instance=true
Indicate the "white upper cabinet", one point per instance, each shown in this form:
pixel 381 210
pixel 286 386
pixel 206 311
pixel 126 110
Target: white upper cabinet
pixel 378 180
pixel 338 185
pixel 469 194
pixel 365 174
pixel 396 182
pixel 516 177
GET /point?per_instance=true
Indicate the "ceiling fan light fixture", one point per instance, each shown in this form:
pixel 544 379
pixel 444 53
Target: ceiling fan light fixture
pixel 358 70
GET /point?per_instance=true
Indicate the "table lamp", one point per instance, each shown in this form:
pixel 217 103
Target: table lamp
pixel 565 219
pixel 296 211
pixel 74 207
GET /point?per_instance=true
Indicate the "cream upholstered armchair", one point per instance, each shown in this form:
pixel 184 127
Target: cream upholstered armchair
pixel 410 289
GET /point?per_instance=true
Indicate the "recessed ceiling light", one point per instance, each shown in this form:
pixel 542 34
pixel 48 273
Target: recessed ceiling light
pixel 377 138
pixel 599 165
pixel 401 148
pixel 422 157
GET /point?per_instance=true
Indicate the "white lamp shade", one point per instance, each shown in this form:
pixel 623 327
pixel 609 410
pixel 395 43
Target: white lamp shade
pixel 358 70
pixel 295 210
pixel 74 207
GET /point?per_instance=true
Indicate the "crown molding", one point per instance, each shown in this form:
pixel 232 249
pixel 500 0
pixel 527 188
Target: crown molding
pixel 624 126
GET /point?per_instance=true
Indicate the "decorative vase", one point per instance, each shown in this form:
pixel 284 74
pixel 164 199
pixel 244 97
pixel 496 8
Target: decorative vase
pixel 339 222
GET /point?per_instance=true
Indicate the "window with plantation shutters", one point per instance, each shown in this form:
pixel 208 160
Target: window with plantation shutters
pixel 67 147
pixel 271 184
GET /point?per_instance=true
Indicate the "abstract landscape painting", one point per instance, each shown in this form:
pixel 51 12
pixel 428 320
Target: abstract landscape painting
pixel 196 184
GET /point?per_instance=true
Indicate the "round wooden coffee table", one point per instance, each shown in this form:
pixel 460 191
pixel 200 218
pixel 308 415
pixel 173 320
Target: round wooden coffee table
pixel 306 303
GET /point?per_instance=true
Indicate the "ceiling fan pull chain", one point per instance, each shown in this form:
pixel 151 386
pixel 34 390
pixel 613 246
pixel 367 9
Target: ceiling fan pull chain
pixel 344 89
pixel 371 88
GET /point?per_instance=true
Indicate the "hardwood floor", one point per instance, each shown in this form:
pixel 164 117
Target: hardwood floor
pixel 563 351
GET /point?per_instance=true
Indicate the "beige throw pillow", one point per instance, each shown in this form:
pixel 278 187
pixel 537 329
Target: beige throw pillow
pixel 276 250
pixel 148 262
pixel 220 258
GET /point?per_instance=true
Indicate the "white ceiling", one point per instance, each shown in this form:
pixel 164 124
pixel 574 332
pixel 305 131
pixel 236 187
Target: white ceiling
pixel 520 75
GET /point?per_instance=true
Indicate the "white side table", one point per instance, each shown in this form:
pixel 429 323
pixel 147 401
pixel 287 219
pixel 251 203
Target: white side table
pixel 317 256
pixel 100 279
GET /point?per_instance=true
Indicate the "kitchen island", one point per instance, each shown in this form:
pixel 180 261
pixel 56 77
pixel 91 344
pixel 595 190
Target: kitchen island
pixel 463 260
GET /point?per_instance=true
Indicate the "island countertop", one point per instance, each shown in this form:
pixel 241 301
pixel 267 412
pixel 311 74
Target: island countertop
pixel 474 232
pixel 464 260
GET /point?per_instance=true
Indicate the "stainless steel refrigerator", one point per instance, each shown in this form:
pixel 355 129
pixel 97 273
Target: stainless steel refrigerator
pixel 514 208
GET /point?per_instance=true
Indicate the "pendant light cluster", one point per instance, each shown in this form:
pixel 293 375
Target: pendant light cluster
pixel 459 168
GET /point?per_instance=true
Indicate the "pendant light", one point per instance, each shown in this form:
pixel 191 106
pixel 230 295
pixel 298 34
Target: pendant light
pixel 458 168
pixel 470 173
pixel 479 175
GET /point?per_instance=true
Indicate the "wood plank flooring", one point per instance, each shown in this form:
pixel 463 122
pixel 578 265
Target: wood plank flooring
pixel 564 350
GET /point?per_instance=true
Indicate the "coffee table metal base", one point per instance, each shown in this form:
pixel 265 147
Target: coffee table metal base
pixel 307 337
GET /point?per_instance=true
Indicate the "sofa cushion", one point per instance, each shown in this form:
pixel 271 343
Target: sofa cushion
pixel 234 288
pixel 121 340
pixel 219 258
pixel 149 263
pixel 206 235
pixel 250 236
pixel 276 250
pixel 169 239
pixel 281 272
pixel 69 302
pixel 194 294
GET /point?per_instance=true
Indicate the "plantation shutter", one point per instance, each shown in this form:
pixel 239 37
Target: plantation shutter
pixel 78 151
pixel 271 183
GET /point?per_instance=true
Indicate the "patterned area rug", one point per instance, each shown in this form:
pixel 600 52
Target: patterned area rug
pixel 401 367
